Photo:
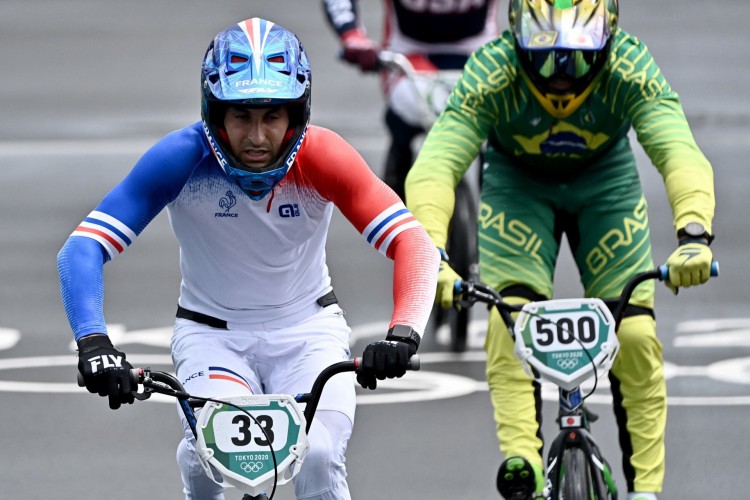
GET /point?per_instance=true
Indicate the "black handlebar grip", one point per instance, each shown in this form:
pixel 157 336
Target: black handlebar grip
pixel 414 363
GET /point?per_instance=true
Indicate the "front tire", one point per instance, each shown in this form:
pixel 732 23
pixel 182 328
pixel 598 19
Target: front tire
pixel 575 476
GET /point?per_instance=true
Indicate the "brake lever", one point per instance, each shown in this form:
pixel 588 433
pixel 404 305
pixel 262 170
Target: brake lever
pixel 464 302
pixel 143 396
pixel 138 376
pixel 462 296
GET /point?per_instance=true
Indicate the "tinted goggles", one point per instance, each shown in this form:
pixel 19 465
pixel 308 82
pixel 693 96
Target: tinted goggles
pixel 571 63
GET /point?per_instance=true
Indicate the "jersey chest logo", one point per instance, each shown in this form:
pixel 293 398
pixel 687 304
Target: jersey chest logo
pixel 289 210
pixel 226 203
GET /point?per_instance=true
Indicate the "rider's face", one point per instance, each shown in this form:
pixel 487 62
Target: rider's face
pixel 256 134
pixel 560 84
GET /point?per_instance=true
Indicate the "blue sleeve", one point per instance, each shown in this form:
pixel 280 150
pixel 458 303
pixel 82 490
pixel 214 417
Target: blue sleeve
pixel 80 267
pixel 154 181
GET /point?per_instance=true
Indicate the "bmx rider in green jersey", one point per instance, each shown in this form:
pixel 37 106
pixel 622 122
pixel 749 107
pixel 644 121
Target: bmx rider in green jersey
pixel 555 97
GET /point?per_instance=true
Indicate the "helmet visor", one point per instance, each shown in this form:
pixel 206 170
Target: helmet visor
pixel 574 64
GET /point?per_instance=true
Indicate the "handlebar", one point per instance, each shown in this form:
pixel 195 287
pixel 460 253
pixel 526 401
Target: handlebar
pixel 156 381
pixel 312 398
pixel 475 291
pixel 164 383
pixel 430 87
pixel 395 61
pixel 391 60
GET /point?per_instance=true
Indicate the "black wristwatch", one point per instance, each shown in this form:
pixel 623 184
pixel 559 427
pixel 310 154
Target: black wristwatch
pixel 694 232
pixel 404 334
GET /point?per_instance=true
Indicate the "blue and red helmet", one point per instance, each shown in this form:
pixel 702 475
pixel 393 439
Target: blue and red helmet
pixel 255 63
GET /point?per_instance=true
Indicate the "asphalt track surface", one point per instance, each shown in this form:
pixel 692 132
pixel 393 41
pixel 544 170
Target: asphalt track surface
pixel 88 85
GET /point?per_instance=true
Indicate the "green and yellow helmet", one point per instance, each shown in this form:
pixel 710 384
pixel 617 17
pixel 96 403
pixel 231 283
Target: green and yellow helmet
pixel 562 45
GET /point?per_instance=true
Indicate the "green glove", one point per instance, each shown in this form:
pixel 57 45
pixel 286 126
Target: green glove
pixel 447 278
pixel 689 265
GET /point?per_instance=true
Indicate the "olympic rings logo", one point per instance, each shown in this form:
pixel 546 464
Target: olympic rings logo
pixel 567 363
pixel 251 466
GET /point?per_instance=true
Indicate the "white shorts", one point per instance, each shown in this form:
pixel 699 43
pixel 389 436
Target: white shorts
pixel 282 357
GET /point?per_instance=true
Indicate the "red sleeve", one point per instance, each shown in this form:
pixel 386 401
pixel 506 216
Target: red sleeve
pixel 339 174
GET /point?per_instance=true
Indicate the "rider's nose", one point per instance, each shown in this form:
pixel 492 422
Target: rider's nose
pixel 255 134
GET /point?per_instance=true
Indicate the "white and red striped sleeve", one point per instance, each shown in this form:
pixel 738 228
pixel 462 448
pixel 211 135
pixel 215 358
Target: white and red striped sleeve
pixel 339 174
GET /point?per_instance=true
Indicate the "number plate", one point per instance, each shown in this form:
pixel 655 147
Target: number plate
pixel 239 446
pixel 554 337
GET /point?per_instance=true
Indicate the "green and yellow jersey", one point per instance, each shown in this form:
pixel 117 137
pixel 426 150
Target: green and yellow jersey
pixel 493 102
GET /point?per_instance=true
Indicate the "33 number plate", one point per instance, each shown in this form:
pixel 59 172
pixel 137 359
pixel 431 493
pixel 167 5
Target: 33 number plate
pixel 240 446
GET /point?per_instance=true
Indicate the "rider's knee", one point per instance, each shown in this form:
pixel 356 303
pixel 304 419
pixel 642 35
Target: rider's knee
pixel 196 483
pixel 499 346
pixel 323 472
pixel 516 295
pixel 185 452
pixel 638 333
pixel 640 360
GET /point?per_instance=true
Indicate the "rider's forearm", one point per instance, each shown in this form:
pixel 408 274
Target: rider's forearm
pixel 690 189
pixel 689 180
pixel 446 154
pixel 416 262
pixel 431 200
pixel 688 176
pixel 80 266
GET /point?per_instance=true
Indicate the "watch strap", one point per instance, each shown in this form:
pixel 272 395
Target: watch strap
pixel 685 238
pixel 404 333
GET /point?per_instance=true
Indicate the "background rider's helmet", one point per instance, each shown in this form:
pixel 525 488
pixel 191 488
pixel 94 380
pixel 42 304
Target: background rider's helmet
pixel 255 63
pixel 562 45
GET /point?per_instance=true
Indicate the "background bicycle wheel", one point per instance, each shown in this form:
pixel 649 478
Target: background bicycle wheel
pixel 88 85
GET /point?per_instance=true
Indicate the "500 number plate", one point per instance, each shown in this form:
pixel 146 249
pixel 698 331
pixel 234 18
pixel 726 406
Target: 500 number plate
pixel 564 340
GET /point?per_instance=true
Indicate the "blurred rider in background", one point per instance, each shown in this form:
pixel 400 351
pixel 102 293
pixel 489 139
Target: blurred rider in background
pixel 433 34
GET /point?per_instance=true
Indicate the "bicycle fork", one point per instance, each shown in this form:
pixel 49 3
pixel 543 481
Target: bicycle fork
pixel 574 421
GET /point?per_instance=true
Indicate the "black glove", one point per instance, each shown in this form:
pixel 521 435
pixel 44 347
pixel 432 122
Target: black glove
pixel 388 358
pixel 105 370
